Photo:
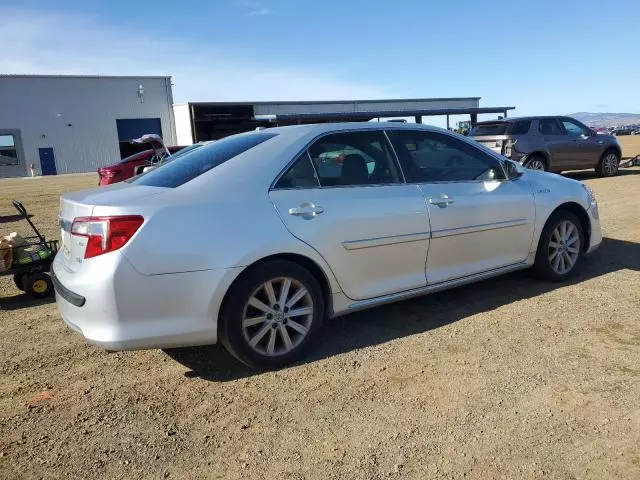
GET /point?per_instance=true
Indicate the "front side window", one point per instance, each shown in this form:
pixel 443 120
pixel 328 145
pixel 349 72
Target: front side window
pixel 8 150
pixel 549 126
pixel 573 128
pixel 434 157
pixel 354 158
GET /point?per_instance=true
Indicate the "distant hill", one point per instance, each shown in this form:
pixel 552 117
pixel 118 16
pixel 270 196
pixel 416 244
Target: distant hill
pixel 607 119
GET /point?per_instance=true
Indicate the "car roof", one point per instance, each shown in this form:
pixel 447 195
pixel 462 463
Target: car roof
pixel 320 128
pixel 519 119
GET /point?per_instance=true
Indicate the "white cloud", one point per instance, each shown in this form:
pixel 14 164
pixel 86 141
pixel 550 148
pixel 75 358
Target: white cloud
pixel 45 42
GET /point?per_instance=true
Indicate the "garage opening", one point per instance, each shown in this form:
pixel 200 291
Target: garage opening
pixel 129 128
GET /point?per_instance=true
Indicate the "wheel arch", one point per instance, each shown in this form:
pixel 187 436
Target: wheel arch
pixel 540 153
pixel 579 211
pixel 309 264
pixel 614 148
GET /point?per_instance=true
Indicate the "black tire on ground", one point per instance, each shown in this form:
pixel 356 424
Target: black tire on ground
pixel 38 285
pixel 543 266
pixel 609 164
pixel 230 323
pixel 18 279
pixel 537 161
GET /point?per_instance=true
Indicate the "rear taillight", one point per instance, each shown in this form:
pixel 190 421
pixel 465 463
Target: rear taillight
pixel 108 173
pixel 105 234
pixel 508 147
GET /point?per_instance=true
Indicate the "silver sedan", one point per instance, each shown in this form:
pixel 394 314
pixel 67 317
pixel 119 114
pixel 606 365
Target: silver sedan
pixel 255 239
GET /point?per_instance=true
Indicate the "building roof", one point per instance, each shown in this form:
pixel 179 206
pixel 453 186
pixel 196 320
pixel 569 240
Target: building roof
pixel 339 102
pixel 20 75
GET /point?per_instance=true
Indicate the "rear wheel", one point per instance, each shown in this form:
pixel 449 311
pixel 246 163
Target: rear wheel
pixel 38 285
pixel 609 164
pixel 560 249
pixel 272 315
pixel 537 162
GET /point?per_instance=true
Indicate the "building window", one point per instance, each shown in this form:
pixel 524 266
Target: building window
pixel 8 150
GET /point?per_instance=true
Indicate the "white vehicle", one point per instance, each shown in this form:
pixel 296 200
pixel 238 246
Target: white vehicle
pixel 253 240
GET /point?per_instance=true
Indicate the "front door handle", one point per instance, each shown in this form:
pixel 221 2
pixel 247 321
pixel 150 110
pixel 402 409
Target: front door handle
pixel 307 211
pixel 441 200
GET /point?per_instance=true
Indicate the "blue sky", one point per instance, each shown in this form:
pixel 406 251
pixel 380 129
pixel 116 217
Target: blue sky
pixel 550 57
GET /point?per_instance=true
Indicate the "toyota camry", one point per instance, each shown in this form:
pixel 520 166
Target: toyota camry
pixel 256 239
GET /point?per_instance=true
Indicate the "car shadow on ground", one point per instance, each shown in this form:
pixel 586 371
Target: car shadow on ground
pixel 18 302
pixel 418 315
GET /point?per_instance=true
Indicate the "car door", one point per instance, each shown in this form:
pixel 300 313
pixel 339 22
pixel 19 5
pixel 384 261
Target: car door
pixel 560 146
pixel 345 196
pixel 479 220
pixel 588 146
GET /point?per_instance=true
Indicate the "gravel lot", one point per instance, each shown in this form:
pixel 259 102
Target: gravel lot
pixel 509 378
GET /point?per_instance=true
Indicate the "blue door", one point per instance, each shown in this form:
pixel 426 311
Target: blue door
pixel 47 161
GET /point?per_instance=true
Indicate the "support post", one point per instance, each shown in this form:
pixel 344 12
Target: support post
pixel 418 118
pixel 474 119
pixel 447 121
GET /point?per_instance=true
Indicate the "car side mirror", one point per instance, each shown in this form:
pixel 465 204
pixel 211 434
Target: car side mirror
pixel 514 169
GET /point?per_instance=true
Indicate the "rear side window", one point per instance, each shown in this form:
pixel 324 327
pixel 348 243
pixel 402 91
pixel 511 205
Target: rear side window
pixel 550 126
pixel 497 128
pixel 196 162
pixel 520 127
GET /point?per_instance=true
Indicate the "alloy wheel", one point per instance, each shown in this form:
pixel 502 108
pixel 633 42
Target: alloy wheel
pixel 564 247
pixel 536 164
pixel 278 316
pixel 610 164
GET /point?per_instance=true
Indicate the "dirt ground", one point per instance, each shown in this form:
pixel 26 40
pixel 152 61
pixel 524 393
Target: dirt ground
pixel 509 378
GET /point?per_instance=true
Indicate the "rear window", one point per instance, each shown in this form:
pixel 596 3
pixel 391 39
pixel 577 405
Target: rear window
pixel 200 160
pixel 498 128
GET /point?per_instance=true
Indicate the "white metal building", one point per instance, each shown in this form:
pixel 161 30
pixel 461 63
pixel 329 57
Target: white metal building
pixel 71 124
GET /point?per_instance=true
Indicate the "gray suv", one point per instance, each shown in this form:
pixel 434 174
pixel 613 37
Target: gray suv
pixel 550 143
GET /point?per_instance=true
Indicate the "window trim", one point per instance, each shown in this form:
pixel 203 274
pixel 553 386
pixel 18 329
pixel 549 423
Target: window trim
pixel 481 148
pixel 296 157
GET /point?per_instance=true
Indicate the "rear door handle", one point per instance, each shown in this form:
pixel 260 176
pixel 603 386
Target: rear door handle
pixel 307 211
pixel 442 200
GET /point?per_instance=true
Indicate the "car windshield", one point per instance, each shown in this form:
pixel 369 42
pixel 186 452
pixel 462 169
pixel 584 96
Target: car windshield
pixel 200 160
pixel 498 128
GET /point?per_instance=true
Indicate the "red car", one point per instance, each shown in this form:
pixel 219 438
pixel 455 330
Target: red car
pixel 126 168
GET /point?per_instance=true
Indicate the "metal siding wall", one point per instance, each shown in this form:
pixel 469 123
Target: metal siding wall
pixel 91 105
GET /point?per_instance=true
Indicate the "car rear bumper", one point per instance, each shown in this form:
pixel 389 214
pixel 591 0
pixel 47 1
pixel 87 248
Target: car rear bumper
pixel 116 308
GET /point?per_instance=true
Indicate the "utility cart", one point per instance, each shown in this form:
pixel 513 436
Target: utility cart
pixel 32 261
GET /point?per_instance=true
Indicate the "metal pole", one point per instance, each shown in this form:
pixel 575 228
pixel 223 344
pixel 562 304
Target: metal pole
pixel 447 121
pixel 418 118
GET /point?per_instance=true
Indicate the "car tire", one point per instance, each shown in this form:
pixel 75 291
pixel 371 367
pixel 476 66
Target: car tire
pixel 266 335
pixel 537 162
pixel 18 279
pixel 38 285
pixel 558 258
pixel 609 164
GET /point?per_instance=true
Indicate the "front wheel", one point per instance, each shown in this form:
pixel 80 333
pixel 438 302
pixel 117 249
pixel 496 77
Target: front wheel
pixel 272 315
pixel 609 164
pixel 560 249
